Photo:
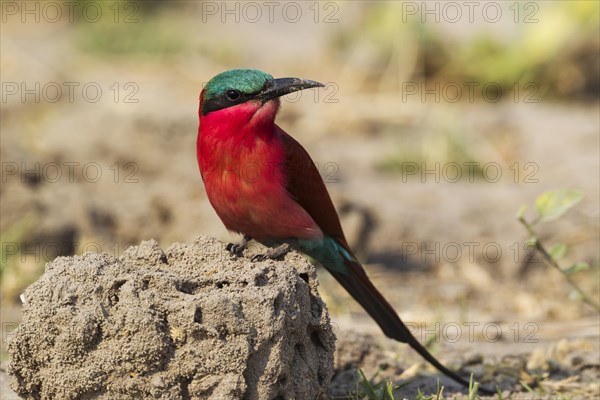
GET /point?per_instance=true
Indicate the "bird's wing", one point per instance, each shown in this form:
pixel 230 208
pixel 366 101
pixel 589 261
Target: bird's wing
pixel 305 185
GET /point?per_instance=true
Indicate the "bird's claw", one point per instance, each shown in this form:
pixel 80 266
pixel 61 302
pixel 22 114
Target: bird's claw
pixel 237 249
pixel 234 249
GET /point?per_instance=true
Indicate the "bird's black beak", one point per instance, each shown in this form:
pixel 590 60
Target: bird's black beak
pixel 281 86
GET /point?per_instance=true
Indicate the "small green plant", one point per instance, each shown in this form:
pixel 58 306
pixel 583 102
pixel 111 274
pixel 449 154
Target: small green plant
pixel 550 206
pixel 384 390
pixel 527 387
pixel 366 389
pixel 437 396
pixel 473 388
pixel 499 393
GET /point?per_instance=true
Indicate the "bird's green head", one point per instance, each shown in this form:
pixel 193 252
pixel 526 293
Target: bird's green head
pixel 238 86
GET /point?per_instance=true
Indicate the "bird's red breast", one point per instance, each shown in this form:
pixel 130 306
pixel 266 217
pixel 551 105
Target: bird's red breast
pixel 241 156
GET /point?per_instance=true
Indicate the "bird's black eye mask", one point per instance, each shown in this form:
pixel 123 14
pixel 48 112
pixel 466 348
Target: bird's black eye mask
pixel 229 98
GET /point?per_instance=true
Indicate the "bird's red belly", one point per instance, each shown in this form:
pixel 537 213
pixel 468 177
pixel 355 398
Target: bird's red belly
pixel 251 198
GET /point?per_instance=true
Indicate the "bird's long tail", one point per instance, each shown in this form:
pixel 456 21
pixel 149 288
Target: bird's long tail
pixel 352 276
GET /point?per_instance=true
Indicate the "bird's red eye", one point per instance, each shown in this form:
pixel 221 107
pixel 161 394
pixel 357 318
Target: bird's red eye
pixel 232 94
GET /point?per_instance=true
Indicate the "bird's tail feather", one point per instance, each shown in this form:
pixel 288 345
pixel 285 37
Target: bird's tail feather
pixel 355 280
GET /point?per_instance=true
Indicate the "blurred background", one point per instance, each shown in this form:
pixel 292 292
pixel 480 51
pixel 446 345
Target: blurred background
pixel 437 122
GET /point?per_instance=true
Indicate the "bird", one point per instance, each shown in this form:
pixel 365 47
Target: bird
pixel 264 185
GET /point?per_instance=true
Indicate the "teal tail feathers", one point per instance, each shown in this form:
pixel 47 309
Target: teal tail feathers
pixel 336 257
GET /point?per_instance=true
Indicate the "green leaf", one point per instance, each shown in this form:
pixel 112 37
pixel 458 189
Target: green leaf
pixel 369 390
pixel 521 211
pixel 553 204
pixel 527 387
pixel 579 266
pixel 558 251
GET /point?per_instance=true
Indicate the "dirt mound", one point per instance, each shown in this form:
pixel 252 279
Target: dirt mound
pixel 185 323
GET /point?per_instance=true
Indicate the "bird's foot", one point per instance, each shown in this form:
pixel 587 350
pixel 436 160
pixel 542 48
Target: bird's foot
pixel 273 253
pixel 237 249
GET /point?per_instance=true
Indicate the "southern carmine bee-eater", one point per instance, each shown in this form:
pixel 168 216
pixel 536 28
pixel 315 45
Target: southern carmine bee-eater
pixel 263 184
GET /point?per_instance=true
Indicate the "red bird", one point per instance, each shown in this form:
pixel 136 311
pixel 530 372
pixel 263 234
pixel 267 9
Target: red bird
pixel 263 184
